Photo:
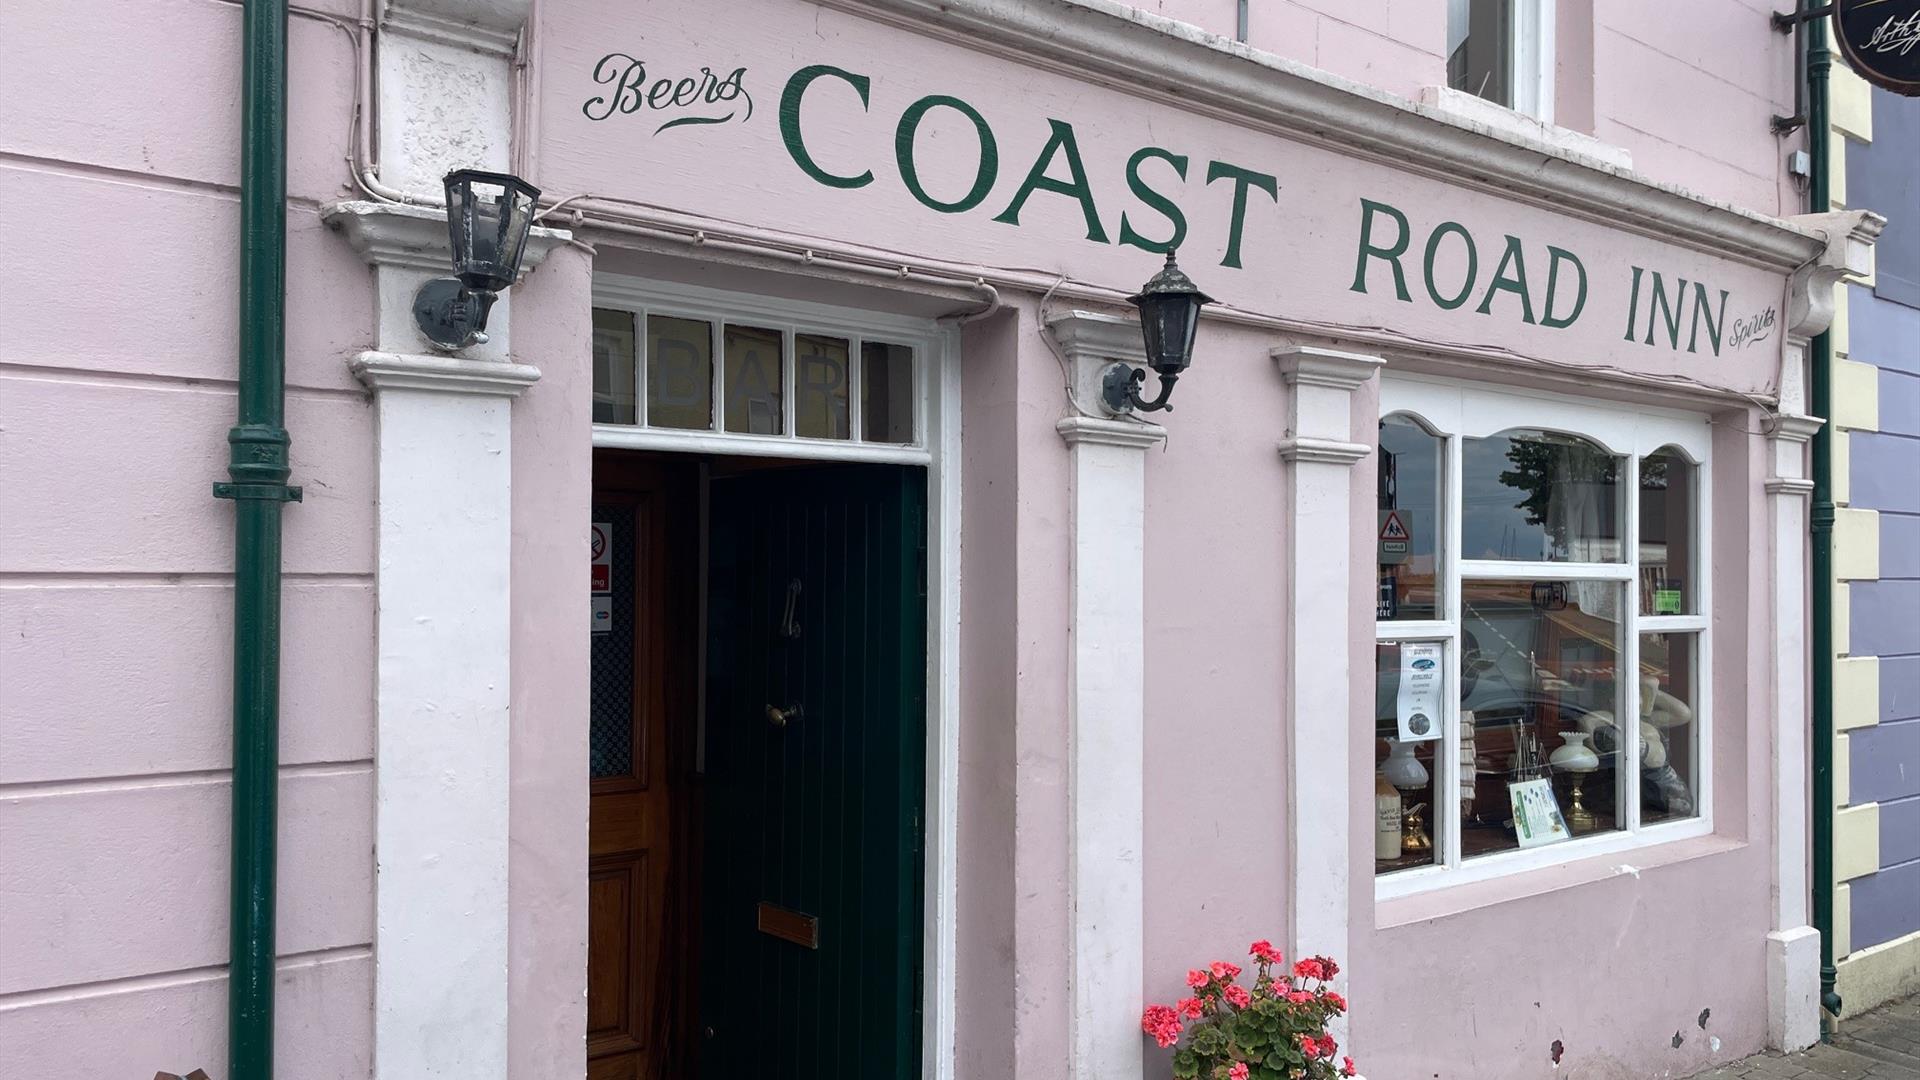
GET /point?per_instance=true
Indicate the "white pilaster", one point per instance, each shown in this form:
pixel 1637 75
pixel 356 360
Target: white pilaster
pixel 1320 453
pixel 1106 717
pixel 1793 947
pixel 440 749
pixel 444 467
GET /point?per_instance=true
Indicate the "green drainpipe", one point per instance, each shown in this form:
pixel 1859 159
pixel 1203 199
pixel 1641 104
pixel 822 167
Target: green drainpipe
pixel 257 463
pixel 1819 63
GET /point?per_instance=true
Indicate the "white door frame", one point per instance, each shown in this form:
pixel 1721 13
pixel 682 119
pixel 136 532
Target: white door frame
pixel 937 447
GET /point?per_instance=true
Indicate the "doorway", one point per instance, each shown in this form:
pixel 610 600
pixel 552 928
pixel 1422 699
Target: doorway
pixel 758 768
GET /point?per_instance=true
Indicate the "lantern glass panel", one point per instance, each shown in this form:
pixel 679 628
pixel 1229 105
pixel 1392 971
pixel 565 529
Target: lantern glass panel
pixel 1169 322
pixel 489 215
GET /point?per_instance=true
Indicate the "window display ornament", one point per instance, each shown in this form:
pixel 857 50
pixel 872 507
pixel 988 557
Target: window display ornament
pixel 1577 758
pixel 1169 306
pixel 489 217
pixel 1404 771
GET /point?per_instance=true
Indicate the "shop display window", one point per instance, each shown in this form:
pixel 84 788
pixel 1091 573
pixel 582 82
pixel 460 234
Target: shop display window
pixel 1517 627
pixel 688 369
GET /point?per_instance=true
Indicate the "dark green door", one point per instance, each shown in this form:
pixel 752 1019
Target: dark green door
pixel 815 747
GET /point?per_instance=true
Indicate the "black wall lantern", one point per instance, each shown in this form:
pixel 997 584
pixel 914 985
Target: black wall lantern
pixel 1169 315
pixel 489 216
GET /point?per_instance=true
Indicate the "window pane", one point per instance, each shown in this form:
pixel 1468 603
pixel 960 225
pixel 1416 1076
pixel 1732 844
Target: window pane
pixel 679 373
pixel 1408 820
pixel 820 387
pixel 1538 496
pixel 1410 485
pixel 754 378
pixel 1539 671
pixel 1669 738
pixel 613 341
pixel 1479 48
pixel 886 392
pixel 1666 534
pixel 610 719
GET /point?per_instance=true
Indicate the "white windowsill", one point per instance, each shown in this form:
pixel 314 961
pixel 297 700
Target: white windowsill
pixel 1432 893
pixel 1518 125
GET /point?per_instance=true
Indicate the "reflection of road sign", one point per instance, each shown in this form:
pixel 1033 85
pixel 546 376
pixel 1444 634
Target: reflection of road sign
pixel 602 557
pixel 1396 536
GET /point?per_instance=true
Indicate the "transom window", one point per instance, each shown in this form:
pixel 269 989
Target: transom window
pixel 679 364
pixel 1541 577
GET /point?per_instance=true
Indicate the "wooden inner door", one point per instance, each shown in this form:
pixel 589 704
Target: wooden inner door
pixel 641 865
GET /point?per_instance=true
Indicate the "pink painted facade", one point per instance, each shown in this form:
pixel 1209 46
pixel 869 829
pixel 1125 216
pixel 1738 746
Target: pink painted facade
pixel 116 389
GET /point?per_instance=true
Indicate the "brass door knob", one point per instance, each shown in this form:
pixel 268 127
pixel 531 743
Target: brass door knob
pixel 779 717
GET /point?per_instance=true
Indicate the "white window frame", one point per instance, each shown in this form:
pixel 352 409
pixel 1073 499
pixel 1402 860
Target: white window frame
pixel 1530 51
pixel 718 308
pixel 1458 411
pixel 936 445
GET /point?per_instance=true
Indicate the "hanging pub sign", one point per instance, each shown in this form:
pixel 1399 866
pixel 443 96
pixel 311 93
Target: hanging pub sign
pixel 1881 41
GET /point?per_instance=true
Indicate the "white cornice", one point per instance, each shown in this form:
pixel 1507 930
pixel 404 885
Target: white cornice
pixel 1305 365
pixel 1791 427
pixel 382 371
pixel 487 26
pixel 1095 336
pixel 1128 433
pixel 1327 451
pixel 1142 53
pixel 397 234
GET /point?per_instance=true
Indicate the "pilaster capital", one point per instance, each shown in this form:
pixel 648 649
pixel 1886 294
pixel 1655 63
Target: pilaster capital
pixel 416 237
pixel 1792 427
pixel 383 371
pixel 1322 451
pixel 1131 434
pixel 490 26
pixel 1305 365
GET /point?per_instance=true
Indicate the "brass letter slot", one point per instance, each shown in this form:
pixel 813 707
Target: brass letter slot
pixel 802 930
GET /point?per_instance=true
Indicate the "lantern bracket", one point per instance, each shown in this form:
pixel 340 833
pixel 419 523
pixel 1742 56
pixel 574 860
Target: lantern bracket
pixel 450 315
pixel 1120 390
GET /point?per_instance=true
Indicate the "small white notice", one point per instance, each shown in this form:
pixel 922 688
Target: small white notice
pixel 1536 814
pixel 1419 704
pixel 603 614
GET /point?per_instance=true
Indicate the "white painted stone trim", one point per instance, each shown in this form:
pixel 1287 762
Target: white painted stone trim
pixel 442 374
pixel 1106 741
pixel 1320 453
pixel 1793 947
pixel 442 694
pixel 415 236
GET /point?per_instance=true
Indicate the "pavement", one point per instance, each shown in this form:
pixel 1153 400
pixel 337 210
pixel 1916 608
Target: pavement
pixel 1880 1045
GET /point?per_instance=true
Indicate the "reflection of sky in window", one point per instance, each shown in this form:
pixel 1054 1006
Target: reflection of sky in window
pixel 1416 462
pixel 1494 522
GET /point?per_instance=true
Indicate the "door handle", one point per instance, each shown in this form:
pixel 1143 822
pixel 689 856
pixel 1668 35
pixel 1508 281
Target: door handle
pixel 779 717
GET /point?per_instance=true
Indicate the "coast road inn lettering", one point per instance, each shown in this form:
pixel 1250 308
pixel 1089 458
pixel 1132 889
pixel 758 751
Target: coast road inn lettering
pixel 1484 272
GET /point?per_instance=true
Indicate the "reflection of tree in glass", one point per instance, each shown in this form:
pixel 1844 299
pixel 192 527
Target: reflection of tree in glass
pixel 1550 468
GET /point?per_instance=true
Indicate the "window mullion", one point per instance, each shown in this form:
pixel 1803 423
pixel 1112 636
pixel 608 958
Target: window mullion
pixel 1628 683
pixel 1451 512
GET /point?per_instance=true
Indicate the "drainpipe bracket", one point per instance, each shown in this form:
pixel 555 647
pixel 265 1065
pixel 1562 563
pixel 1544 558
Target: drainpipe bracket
pixel 266 492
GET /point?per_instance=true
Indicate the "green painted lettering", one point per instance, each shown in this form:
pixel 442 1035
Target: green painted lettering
pixel 1392 253
pixel 983 176
pixel 1155 200
pixel 1452 228
pixel 1515 283
pixel 1242 180
pixel 1714 321
pixel 1633 302
pixel 790 122
pixel 1659 308
pixel 1556 256
pixel 1075 187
